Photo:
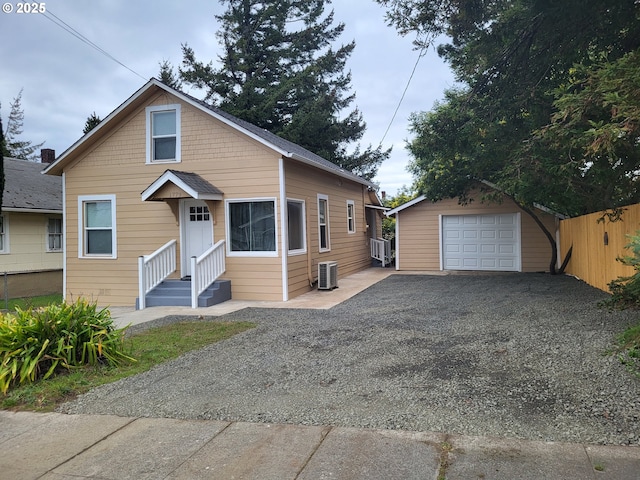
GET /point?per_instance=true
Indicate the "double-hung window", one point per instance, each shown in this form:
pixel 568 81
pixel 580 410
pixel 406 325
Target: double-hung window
pixel 323 223
pixel 296 226
pixel 97 226
pixel 351 216
pixel 163 133
pixel 4 235
pixel 252 227
pixel 54 235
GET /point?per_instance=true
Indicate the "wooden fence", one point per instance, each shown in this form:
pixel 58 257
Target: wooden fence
pixel 596 245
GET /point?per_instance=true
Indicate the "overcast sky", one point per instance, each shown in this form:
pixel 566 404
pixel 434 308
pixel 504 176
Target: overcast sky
pixel 64 79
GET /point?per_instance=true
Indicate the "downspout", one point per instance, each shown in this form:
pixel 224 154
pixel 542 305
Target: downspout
pixel 397 239
pixel 283 232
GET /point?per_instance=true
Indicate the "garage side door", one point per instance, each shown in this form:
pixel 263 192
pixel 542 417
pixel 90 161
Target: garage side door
pixel 481 242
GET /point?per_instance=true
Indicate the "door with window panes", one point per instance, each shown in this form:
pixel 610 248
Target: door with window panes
pixel 197 234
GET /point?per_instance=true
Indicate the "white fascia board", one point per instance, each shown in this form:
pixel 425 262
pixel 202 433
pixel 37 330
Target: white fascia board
pixel 31 210
pixel 406 205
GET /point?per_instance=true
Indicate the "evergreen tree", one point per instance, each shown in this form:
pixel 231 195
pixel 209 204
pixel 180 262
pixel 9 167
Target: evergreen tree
pixel 13 147
pixel 92 122
pixel 167 75
pixel 280 72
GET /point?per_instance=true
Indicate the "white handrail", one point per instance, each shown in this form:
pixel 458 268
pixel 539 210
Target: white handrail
pixel 206 269
pixel 381 250
pixel 154 268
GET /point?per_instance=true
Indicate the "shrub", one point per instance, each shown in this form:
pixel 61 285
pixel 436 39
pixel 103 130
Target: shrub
pixel 625 291
pixel 36 343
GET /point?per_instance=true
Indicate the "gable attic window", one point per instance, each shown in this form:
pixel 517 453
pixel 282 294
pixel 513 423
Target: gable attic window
pixel 163 133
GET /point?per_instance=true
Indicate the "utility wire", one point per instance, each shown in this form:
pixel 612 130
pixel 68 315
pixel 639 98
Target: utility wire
pixel 422 53
pixel 65 26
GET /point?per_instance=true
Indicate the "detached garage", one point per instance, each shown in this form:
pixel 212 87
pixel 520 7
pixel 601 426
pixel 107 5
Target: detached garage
pixel 477 237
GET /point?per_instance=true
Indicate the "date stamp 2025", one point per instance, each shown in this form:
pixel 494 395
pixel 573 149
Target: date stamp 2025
pixel 24 7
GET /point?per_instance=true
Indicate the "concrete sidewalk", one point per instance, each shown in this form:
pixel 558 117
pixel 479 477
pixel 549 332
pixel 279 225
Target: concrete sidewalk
pixel 56 446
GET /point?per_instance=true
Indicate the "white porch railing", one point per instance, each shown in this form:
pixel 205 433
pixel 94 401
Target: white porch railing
pixel 154 268
pixel 205 269
pixel 381 250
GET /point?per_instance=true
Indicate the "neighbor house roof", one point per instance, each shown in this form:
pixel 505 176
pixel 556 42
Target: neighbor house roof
pixel 284 147
pixel 27 190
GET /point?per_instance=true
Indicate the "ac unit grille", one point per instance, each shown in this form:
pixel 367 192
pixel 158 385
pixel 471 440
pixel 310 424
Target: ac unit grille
pixel 327 275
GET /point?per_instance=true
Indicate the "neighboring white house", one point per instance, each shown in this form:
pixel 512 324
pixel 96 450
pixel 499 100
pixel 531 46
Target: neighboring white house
pixel 31 229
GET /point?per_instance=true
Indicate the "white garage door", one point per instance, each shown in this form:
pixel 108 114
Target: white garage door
pixel 481 242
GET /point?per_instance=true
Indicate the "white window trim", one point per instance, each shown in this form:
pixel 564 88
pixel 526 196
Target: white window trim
pixel 48 235
pixel 82 199
pixel 6 246
pixel 328 221
pixel 303 250
pixel 352 204
pixel 234 253
pixel 163 108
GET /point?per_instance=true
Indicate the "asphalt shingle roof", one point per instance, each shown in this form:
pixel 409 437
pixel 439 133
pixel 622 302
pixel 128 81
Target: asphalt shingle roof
pixel 26 187
pixel 196 182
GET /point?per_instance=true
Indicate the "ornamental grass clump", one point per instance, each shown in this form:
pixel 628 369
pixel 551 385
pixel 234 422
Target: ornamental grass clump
pixel 37 343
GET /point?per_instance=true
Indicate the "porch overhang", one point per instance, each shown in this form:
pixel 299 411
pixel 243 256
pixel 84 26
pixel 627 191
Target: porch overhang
pixel 173 184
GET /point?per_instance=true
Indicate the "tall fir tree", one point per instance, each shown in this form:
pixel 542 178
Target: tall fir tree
pixel 168 76
pixel 279 71
pixel 92 122
pixel 13 147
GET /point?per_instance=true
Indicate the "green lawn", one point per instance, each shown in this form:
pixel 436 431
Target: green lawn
pixel 149 348
pixel 27 302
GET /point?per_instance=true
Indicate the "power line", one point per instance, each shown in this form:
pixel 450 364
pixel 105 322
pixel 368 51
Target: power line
pixel 422 53
pixel 68 28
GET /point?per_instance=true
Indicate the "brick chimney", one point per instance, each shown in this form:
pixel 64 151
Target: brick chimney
pixel 47 155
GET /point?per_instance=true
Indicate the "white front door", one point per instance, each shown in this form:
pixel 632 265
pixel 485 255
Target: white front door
pixel 197 232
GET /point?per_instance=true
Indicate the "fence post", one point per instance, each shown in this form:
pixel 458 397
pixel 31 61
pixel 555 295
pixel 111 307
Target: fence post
pixel 6 291
pixel 141 284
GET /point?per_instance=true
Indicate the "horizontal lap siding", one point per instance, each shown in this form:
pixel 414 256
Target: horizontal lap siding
pixel 28 242
pixel 238 166
pixel 351 251
pixel 418 242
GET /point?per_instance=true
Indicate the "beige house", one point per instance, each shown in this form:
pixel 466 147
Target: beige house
pixel 479 236
pixel 31 235
pixel 169 184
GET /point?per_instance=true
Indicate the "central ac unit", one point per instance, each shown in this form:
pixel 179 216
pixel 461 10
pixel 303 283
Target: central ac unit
pixel 327 275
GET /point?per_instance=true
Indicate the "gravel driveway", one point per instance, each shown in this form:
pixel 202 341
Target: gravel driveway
pixel 512 355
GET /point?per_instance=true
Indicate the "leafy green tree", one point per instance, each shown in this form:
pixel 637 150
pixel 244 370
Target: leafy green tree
pixel 92 122
pixel 280 72
pixel 13 147
pixel 514 59
pixel 404 195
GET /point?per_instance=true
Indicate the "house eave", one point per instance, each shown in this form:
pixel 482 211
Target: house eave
pixel 32 210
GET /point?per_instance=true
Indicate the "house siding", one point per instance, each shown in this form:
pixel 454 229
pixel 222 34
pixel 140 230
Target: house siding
pixel 350 250
pixel 418 240
pixel 236 164
pixel 28 240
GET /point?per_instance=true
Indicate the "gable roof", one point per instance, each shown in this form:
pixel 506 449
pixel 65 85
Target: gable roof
pixel 27 190
pixel 191 183
pixel 283 147
pixel 421 198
